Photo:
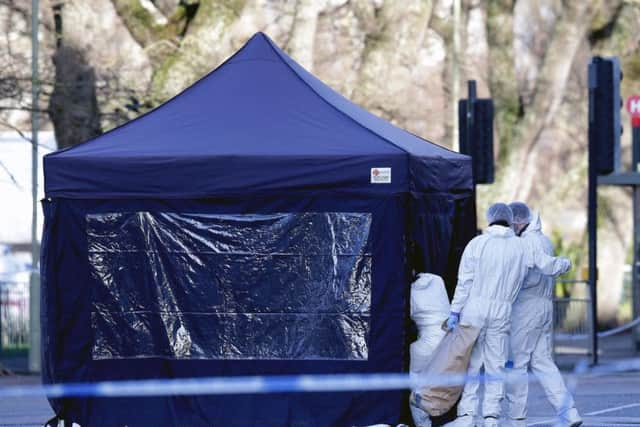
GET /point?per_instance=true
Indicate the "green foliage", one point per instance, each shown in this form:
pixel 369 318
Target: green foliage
pixel 444 28
pixel 625 311
pixel 373 41
pixel 629 257
pixel 611 28
pixel 631 67
pixel 506 118
pixel 611 35
pixel 160 78
pixel 14 350
pixel 575 251
pixel 214 9
pixel 139 20
pixel 210 15
pixel 502 75
pixel 140 14
pixel 236 6
pixel 142 25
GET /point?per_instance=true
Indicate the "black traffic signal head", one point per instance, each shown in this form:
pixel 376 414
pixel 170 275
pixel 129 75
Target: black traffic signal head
pixel 605 102
pixel 476 137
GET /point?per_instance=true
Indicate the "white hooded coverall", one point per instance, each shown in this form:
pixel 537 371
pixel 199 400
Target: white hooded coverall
pixel 492 270
pixel 531 328
pixel 429 308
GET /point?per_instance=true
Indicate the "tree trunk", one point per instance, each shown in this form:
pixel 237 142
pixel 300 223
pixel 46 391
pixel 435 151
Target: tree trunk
pixel 73 107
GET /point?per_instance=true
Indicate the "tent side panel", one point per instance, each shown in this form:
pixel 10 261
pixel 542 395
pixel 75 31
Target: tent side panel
pixel 84 238
pixel 441 225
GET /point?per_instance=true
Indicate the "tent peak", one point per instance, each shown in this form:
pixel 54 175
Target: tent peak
pixel 260 34
pixel 258 47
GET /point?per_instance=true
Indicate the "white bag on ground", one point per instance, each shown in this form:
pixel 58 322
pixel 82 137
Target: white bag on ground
pixel 451 357
pixel 429 308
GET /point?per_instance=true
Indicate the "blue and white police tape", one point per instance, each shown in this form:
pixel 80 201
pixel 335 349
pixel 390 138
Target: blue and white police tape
pixel 603 334
pixel 216 385
pixel 281 384
pixel 246 385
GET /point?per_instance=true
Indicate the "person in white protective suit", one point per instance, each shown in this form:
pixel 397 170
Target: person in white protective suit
pixel 429 309
pixel 492 270
pixel 531 328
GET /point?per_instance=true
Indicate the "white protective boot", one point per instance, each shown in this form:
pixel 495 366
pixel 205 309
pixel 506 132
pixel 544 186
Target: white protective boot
pixel 420 417
pixel 571 418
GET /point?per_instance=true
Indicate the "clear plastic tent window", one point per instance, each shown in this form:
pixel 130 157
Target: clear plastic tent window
pixel 294 286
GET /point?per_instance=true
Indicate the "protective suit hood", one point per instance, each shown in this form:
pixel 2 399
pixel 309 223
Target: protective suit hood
pixel 536 284
pixel 499 231
pixel 534 225
pixel 429 300
pixel 423 281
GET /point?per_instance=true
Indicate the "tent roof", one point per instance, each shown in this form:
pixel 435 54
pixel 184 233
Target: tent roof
pixel 259 122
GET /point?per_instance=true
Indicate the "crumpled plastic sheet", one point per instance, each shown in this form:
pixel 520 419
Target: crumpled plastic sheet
pixel 293 286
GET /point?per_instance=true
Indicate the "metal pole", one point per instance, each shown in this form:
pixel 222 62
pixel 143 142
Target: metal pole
pixel 593 270
pixel 34 285
pixel 471 103
pixel 592 216
pixel 471 88
pixel 473 96
pixel 455 76
pixel 635 271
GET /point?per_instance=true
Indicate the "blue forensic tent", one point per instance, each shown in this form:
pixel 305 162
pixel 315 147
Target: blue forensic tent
pixel 257 223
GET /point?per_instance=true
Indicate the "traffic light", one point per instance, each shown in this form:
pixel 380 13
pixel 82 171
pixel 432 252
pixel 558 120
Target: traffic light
pixel 476 135
pixel 605 103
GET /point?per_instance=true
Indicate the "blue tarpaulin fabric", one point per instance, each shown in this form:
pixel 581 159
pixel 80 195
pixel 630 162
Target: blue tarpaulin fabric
pixel 257 223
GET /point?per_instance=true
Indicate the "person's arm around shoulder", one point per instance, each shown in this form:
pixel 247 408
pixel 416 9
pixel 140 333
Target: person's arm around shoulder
pixel 548 265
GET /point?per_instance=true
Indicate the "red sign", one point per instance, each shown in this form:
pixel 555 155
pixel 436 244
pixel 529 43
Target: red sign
pixel 633 107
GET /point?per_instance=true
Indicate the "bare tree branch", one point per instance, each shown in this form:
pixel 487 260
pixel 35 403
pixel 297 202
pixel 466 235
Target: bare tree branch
pixel 23 135
pixel 24 108
pixel 18 131
pixel 11 177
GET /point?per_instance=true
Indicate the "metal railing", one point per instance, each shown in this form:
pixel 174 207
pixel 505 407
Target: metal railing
pixel 572 325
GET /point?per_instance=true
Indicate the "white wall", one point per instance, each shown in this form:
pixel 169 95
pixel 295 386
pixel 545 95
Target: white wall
pixel 15 197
